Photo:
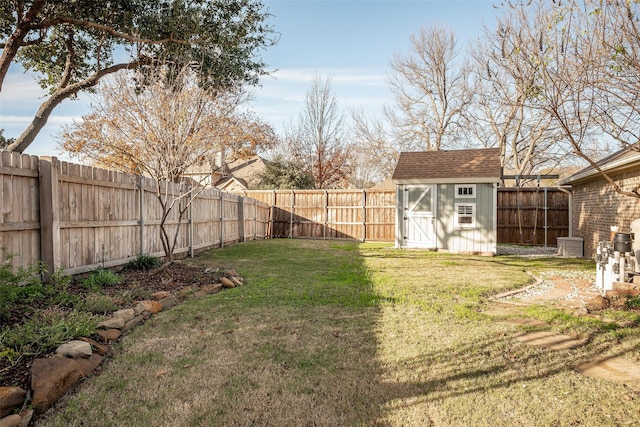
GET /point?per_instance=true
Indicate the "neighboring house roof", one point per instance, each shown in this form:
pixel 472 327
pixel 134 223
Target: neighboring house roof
pixel 246 172
pixel 621 161
pixel 387 184
pixel 231 184
pixel 474 165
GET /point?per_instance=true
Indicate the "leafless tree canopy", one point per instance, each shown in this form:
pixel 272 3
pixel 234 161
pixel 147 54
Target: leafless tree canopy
pixel 318 141
pixel 430 91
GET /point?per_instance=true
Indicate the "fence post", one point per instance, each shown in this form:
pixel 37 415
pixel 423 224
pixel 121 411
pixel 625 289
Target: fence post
pixel 546 209
pixel 364 216
pixel 190 223
pixel 241 218
pixel 326 215
pixel 293 206
pixel 141 201
pixel 221 219
pixel 50 245
pixel 255 219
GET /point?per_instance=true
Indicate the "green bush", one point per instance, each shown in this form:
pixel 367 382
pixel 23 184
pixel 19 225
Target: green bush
pixel 21 285
pixel 100 278
pixel 96 303
pixel 143 262
pixel 633 301
pixel 47 330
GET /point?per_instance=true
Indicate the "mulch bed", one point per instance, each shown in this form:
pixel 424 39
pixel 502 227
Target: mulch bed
pixel 171 278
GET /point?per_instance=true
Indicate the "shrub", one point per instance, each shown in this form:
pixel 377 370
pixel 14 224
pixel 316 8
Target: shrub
pixel 21 285
pixel 97 304
pixel 143 262
pixel 100 278
pixel 633 301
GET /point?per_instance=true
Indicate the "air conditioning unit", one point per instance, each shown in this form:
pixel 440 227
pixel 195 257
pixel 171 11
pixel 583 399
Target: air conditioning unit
pixel 571 247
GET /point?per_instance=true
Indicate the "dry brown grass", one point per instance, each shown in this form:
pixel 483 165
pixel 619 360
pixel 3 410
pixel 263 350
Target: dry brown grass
pixel 339 334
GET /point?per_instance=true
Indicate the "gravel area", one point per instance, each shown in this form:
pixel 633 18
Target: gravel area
pixel 528 251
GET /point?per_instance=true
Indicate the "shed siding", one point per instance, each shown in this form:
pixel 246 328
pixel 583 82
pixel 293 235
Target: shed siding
pixel 481 237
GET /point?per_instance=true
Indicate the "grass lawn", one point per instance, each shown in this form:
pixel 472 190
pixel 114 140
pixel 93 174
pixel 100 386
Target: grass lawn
pixel 347 334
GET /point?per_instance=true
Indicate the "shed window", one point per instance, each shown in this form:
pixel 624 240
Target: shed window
pixel 464 191
pixel 465 214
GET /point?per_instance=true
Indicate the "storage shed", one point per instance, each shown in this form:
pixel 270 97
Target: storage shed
pixel 447 200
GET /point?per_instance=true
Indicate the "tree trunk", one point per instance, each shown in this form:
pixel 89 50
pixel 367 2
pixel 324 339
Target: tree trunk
pixel 46 108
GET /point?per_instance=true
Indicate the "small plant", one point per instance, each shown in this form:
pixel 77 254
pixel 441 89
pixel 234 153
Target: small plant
pixel 19 286
pixel 143 262
pixel 96 303
pixel 46 331
pixel 100 278
pixel 632 302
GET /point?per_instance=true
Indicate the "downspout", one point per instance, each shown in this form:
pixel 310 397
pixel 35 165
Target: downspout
pixel 564 190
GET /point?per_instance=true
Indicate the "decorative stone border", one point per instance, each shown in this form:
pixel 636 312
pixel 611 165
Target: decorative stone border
pixel 53 377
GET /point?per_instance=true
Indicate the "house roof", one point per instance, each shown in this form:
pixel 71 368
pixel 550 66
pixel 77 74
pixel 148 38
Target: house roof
pixel 473 165
pixel 245 171
pixel 231 181
pixel 622 160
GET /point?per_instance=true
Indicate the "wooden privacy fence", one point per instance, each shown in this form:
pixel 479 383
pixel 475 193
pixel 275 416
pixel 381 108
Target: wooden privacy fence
pixel 330 214
pixel 79 218
pixel 532 216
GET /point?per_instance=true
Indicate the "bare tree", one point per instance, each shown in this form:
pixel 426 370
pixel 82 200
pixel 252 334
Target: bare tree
pixel 504 89
pixel 582 70
pixel 429 87
pixel 163 130
pixel 374 146
pixel 317 140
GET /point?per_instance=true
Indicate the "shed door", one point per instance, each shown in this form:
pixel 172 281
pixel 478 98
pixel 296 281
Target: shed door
pixel 419 230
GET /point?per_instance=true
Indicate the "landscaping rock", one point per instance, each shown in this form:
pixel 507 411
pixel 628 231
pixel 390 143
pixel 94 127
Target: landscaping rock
pixel 10 421
pixel 10 399
pixel 101 349
pixel 169 302
pixel 126 314
pixel 25 417
pixel 581 312
pixel 623 293
pixel 112 323
pixel 227 283
pixel 51 378
pixel 109 334
pixel 211 289
pixel 86 366
pixel 597 303
pixel 75 349
pixel 153 307
pixel 157 296
pixel 184 292
pixel 133 323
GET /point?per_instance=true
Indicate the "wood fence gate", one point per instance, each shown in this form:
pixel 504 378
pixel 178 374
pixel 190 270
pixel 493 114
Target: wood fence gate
pixel 532 216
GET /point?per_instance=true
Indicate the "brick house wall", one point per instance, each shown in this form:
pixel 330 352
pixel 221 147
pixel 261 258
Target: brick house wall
pixel 596 207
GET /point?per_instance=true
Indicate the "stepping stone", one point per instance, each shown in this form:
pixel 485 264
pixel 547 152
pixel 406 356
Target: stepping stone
pixel 549 340
pixel 614 369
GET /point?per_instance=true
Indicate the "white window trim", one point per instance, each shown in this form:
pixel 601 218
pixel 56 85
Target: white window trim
pixel 465 196
pixel 456 223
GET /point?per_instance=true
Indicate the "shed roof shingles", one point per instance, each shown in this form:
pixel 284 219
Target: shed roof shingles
pixel 473 163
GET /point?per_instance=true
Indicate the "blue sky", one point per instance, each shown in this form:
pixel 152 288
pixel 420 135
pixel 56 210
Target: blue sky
pixel 350 41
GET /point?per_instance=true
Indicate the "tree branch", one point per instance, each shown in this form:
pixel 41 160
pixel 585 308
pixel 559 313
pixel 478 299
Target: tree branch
pixel 41 117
